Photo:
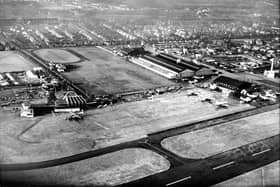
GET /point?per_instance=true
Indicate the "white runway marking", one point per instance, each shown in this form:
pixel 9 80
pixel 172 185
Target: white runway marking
pixel 264 151
pixel 100 125
pixel 180 180
pixel 223 165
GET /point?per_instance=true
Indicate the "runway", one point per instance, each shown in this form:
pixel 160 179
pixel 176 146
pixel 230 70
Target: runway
pixel 193 172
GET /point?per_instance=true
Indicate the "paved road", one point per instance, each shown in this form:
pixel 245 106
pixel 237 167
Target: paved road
pixel 209 171
pixel 217 168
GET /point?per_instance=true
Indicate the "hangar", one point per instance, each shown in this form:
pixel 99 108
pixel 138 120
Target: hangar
pixel 230 85
pixel 172 67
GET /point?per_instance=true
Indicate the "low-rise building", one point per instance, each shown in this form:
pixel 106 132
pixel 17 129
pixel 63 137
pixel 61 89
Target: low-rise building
pixel 230 85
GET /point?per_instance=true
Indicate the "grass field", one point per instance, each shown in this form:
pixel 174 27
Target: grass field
pixel 213 140
pixel 266 176
pixel 12 61
pixel 107 170
pixel 106 73
pixel 57 56
pixel 52 136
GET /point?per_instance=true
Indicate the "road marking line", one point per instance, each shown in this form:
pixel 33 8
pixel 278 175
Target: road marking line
pixel 180 180
pixel 100 125
pixel 264 151
pixel 223 165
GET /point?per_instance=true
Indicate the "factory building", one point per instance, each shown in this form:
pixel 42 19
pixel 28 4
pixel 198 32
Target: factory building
pixel 190 68
pixel 165 72
pixel 171 67
pixel 180 62
pixel 137 51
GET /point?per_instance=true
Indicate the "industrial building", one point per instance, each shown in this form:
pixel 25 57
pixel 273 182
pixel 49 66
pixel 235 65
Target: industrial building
pixel 172 67
pixel 165 72
pixel 71 102
pixel 230 85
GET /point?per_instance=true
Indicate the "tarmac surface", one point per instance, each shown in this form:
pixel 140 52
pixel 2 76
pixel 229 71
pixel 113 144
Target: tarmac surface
pixel 268 175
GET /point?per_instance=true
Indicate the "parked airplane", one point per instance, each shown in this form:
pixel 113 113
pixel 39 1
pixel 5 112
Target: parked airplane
pixel 221 104
pixel 270 94
pixel 206 99
pixel 246 99
pixel 192 94
pixel 263 97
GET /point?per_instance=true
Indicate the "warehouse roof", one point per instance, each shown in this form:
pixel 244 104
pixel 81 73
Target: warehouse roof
pixel 186 64
pixel 232 83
